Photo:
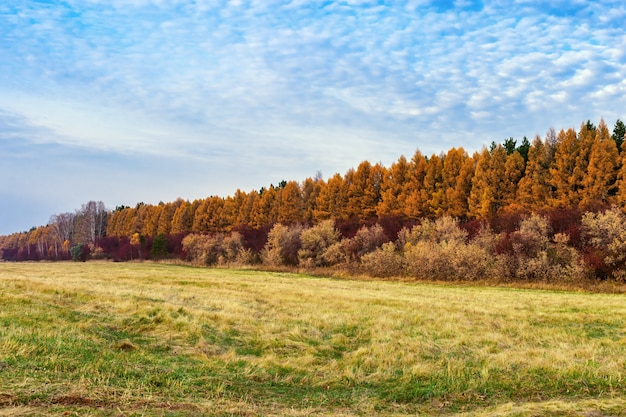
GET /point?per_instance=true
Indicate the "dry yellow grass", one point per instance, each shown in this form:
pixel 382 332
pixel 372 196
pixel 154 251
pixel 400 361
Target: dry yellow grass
pixel 155 339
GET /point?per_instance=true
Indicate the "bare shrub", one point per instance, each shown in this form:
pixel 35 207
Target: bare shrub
pixel 315 241
pixel 283 244
pixel 334 254
pixel 605 234
pixel 486 239
pixel 203 249
pixel 444 229
pixel 528 254
pixel 366 240
pixel 446 261
pixel 385 261
pixel 425 260
pixel 439 250
pixel 235 252
pixel 470 262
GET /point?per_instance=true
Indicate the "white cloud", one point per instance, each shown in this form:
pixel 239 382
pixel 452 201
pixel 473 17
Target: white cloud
pixel 273 83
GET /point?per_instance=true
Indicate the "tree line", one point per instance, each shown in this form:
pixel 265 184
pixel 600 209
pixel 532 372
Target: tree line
pixel 566 172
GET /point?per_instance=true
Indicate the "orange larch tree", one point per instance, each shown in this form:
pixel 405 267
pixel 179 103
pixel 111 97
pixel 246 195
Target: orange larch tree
pixel 413 192
pixel 488 184
pixel 600 180
pixel 392 193
pixel 533 192
pixel 433 187
pixel 513 173
pixel 563 179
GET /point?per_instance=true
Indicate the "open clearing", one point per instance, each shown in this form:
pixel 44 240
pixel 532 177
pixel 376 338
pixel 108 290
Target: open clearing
pixel 146 339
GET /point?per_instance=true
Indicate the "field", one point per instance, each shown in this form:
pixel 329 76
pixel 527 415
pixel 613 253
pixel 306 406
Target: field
pixel 147 339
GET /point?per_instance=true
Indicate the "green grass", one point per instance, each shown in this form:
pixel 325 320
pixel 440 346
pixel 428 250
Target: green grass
pixel 135 339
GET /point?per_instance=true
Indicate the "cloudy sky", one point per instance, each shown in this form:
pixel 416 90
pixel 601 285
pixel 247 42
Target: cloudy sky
pixel 149 100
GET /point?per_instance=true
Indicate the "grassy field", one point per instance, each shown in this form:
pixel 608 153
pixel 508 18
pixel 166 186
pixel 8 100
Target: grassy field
pixel 145 339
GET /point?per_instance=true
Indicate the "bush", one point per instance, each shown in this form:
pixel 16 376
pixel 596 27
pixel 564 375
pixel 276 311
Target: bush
pixel 605 235
pixel 439 250
pixel 80 252
pixel 529 254
pixel 444 229
pixel 283 244
pixel 315 242
pixel 366 240
pixel 235 252
pixel 203 249
pixel 385 261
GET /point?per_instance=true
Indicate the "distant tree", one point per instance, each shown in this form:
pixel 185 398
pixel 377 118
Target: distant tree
pixel 290 209
pixel 586 138
pixel 457 173
pixel 433 186
pixel 534 190
pixel 138 241
pixel 159 247
pixel 63 231
pixel 551 137
pixel 524 148
pixel 621 182
pixel 563 180
pixel 489 184
pixel 80 252
pixel 599 181
pixel 182 220
pixel 393 189
pixel 90 221
pixel 510 145
pixel 265 211
pixel 619 133
pixel 513 173
pixel 331 200
pixel 413 193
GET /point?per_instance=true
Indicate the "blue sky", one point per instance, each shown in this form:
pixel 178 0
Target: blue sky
pixel 149 100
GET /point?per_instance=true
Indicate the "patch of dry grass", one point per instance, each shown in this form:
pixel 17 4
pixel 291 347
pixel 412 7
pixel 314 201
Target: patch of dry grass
pixel 153 339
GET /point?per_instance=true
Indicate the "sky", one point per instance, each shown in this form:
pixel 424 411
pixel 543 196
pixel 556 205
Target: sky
pixel 124 101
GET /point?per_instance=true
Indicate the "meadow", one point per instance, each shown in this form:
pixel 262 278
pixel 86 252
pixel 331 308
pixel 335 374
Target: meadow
pixel 155 339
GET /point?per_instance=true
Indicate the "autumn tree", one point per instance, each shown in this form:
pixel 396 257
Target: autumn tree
pixel 563 177
pixel 182 220
pixel 311 188
pixel 534 190
pixel 433 186
pixel 621 182
pixel 331 201
pixel 599 181
pixel 488 185
pixel 290 208
pixel 457 173
pixel 413 193
pixel 513 173
pixel 394 189
pixel 586 138
pixel 151 216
